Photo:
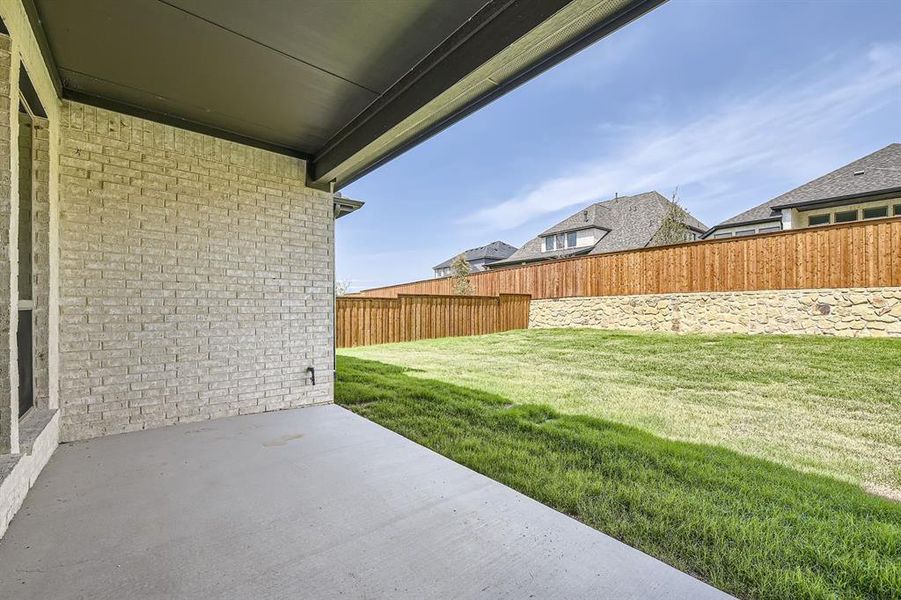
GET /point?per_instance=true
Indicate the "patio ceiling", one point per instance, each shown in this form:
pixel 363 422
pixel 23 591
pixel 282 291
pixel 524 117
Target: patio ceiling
pixel 346 85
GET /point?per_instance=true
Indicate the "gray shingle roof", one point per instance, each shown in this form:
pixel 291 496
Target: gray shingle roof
pixel 878 171
pixel 493 251
pixel 630 223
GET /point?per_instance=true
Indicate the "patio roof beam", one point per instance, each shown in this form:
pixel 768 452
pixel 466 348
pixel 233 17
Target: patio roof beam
pixel 347 89
pixel 504 45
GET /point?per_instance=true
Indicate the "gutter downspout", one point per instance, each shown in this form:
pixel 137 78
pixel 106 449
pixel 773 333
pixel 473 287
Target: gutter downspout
pixel 340 206
pixel 334 290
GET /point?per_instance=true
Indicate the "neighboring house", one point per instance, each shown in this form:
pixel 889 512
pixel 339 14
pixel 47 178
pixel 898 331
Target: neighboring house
pixel 868 188
pixel 624 223
pixel 478 258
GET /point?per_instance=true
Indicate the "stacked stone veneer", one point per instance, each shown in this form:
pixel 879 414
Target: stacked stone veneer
pixel 196 277
pixel 846 312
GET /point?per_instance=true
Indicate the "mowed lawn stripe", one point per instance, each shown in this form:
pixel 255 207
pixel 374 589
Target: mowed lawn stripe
pixel 748 526
pixel 820 404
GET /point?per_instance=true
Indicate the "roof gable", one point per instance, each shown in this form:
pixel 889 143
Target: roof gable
pixel 629 222
pixel 494 251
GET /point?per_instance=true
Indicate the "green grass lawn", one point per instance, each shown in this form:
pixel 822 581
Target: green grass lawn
pixel 751 527
pixel 816 404
pixel 740 459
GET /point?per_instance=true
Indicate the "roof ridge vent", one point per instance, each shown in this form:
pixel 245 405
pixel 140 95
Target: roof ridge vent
pixel 857 173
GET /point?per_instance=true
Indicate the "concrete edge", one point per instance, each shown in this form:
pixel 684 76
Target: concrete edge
pixel 25 470
pixel 529 499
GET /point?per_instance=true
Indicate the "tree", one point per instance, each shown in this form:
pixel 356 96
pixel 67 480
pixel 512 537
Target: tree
pixel 342 288
pixel 460 275
pixel 673 229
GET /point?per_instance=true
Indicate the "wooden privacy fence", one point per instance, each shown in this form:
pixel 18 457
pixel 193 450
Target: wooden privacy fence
pixel 841 256
pixel 366 321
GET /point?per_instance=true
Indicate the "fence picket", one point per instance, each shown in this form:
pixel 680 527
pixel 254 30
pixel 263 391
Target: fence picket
pixel 865 254
pixel 361 321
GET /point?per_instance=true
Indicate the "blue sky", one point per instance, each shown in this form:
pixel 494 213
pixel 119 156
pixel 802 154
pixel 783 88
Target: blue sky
pixel 733 101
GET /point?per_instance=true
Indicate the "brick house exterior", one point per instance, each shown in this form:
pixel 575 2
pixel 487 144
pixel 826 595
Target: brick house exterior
pixel 196 279
pixel 176 276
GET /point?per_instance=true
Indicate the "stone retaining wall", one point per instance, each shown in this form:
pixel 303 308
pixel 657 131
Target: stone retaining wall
pixel 846 312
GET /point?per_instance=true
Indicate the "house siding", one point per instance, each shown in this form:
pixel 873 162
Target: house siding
pixel 196 277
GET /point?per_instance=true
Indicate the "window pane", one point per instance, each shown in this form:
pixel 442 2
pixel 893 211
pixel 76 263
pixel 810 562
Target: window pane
pixel 769 229
pixel 549 242
pixel 876 212
pixel 898 210
pixel 745 232
pixel 26 363
pixel 571 240
pixel 818 220
pixel 846 217
pixel 722 235
pixel 561 241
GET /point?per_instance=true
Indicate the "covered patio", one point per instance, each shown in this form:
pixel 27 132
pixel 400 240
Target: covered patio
pixel 169 176
pixel 308 503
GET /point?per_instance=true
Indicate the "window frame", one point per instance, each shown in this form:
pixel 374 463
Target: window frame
pixel 864 216
pixel 560 241
pixel 837 218
pixel 25 293
pixel 828 221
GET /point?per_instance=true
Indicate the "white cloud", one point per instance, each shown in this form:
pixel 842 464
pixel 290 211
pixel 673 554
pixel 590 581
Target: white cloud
pixel 784 129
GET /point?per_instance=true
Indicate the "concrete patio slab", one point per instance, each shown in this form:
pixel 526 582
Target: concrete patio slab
pixel 309 503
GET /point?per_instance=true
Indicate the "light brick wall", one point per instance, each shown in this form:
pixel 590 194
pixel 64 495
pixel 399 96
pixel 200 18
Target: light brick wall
pixel 196 277
pixel 843 312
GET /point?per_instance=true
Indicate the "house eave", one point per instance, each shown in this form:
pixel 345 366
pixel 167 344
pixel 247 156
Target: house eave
pixel 715 228
pixel 522 261
pixel 883 194
pixel 503 46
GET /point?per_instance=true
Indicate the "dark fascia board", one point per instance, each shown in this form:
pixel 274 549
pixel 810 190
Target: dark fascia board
pixel 550 231
pixel 37 26
pixel 846 199
pixel 501 264
pixel 487 34
pixel 180 123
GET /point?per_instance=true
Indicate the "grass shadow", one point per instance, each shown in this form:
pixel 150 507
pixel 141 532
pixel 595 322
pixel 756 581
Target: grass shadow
pixel 750 527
